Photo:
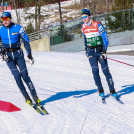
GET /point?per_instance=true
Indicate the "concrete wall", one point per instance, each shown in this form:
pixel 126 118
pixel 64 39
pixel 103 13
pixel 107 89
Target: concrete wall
pixel 39 45
pixel 117 42
pixel 128 47
pixel 121 38
pixel 71 46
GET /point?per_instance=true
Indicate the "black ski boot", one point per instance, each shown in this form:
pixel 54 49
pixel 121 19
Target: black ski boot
pixel 113 93
pixel 28 100
pixel 101 92
pixel 37 100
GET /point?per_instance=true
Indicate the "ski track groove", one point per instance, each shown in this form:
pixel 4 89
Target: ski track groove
pixel 68 107
pixel 127 122
pixel 12 127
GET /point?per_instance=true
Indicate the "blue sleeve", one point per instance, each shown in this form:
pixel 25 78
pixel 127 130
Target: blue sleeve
pixel 85 41
pixel 103 35
pixel 25 40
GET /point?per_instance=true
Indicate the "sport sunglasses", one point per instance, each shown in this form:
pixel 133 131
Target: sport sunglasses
pixel 84 17
pixel 5 18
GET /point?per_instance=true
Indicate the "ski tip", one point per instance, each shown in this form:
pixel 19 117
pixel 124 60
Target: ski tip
pixel 103 101
pixel 119 101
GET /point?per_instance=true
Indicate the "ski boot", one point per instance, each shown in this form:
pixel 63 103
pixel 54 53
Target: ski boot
pixel 101 93
pixel 28 100
pixel 113 93
pixel 37 100
pixel 39 106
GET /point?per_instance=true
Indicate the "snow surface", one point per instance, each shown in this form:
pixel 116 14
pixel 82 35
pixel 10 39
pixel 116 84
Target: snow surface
pixel 50 13
pixel 66 87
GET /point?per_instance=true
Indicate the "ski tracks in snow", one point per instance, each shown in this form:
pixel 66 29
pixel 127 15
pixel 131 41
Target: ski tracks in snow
pixel 65 84
pixel 111 118
pixel 10 124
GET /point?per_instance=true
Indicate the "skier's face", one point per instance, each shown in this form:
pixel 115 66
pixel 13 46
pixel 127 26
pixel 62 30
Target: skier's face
pixel 6 22
pixel 85 18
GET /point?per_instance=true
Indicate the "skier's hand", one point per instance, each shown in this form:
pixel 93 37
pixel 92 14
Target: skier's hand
pixel 86 53
pixel 103 56
pixel 5 58
pixel 2 51
pixel 3 54
pixel 31 58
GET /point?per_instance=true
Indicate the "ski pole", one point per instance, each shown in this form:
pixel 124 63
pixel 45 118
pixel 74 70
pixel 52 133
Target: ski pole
pixel 121 62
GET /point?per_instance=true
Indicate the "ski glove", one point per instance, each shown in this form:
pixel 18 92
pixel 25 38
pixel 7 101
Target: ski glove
pixel 31 58
pixel 3 54
pixel 87 54
pixel 103 56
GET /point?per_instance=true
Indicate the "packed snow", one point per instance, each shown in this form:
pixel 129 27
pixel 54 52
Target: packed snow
pixel 65 84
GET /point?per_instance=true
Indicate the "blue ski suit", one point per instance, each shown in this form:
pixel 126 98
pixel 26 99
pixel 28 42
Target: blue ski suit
pixel 96 42
pixel 10 37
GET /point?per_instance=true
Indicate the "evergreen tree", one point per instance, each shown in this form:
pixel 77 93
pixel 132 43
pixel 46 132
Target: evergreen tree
pixel 37 14
pixel 29 28
pixel 121 21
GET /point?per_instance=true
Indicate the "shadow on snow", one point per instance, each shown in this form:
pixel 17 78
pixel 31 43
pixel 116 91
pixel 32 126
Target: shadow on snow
pixel 62 95
pixel 127 90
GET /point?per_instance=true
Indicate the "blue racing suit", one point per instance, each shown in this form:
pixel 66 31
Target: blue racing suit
pixel 96 42
pixel 10 37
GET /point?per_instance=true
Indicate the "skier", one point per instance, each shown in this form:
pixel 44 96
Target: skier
pixel 96 42
pixel 11 52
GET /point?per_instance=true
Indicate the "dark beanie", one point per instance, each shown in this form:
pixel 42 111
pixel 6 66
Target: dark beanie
pixel 85 11
pixel 6 14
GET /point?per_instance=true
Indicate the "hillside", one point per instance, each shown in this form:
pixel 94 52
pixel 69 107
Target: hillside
pixel 50 13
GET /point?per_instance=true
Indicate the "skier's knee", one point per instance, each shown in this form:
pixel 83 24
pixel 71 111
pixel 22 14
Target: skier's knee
pixel 95 70
pixel 106 71
pixel 26 78
pixel 17 75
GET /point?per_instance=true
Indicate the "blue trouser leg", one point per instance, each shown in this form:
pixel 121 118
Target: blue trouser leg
pixel 105 69
pixel 24 73
pixel 93 60
pixel 17 76
pixel 21 73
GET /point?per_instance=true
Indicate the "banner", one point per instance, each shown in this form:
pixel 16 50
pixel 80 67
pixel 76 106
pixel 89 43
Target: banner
pixel 5 8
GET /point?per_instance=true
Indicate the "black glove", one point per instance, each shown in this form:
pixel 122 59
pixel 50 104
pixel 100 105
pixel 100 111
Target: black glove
pixel 31 58
pixel 86 51
pixel 2 51
pixel 103 56
pixel 3 54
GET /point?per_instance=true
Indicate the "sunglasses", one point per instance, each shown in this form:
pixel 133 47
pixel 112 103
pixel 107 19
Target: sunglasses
pixel 5 18
pixel 84 17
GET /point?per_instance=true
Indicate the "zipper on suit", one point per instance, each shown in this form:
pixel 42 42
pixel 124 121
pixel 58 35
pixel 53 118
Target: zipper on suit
pixel 95 50
pixel 10 43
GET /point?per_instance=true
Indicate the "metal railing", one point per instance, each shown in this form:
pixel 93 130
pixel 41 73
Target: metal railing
pixel 113 22
pixel 117 21
pixel 38 35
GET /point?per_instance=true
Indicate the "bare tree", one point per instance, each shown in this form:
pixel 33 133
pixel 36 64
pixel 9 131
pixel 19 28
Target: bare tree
pixel 113 2
pixel 60 12
pixel 82 4
pixel 107 5
pixel 16 12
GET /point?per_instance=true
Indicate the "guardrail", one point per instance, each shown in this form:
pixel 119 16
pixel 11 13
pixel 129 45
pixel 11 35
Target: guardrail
pixel 38 35
pixel 118 21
